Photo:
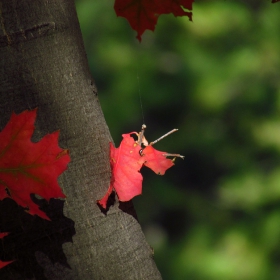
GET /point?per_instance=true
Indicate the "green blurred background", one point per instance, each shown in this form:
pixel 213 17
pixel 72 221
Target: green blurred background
pixel 215 215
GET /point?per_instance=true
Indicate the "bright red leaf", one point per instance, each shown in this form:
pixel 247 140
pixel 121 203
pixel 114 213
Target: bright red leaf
pixel 126 178
pixel 143 14
pixel 126 162
pixel 29 168
pixel 156 160
pixel 2 264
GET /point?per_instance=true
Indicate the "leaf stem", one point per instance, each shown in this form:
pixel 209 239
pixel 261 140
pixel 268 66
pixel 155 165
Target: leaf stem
pixel 141 135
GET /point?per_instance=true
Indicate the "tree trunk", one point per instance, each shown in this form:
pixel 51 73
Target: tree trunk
pixel 43 64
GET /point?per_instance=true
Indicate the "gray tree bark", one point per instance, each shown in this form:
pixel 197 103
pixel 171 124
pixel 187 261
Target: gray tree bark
pixel 43 64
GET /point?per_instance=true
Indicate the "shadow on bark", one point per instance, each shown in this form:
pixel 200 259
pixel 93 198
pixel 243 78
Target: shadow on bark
pixel 126 206
pixel 30 234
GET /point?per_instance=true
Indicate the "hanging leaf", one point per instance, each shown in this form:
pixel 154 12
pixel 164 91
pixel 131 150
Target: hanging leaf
pixel 143 14
pixel 126 162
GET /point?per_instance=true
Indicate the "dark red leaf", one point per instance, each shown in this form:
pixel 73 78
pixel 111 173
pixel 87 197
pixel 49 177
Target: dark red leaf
pixel 2 264
pixel 29 168
pixel 143 14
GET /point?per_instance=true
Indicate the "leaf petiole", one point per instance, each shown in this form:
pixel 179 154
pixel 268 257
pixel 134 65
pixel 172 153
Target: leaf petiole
pixel 141 137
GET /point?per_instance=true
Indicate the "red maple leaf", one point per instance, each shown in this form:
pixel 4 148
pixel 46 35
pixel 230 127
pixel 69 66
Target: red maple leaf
pixel 2 264
pixel 143 14
pixel 29 168
pixel 156 160
pixel 126 178
pixel 126 162
pixel 3 234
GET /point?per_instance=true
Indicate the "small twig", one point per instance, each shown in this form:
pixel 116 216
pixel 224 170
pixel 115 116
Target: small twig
pixel 174 155
pixel 168 133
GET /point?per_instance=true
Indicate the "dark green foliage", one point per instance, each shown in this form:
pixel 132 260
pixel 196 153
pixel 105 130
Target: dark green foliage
pixel 215 215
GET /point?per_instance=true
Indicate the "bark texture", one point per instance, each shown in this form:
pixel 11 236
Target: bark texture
pixel 43 64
